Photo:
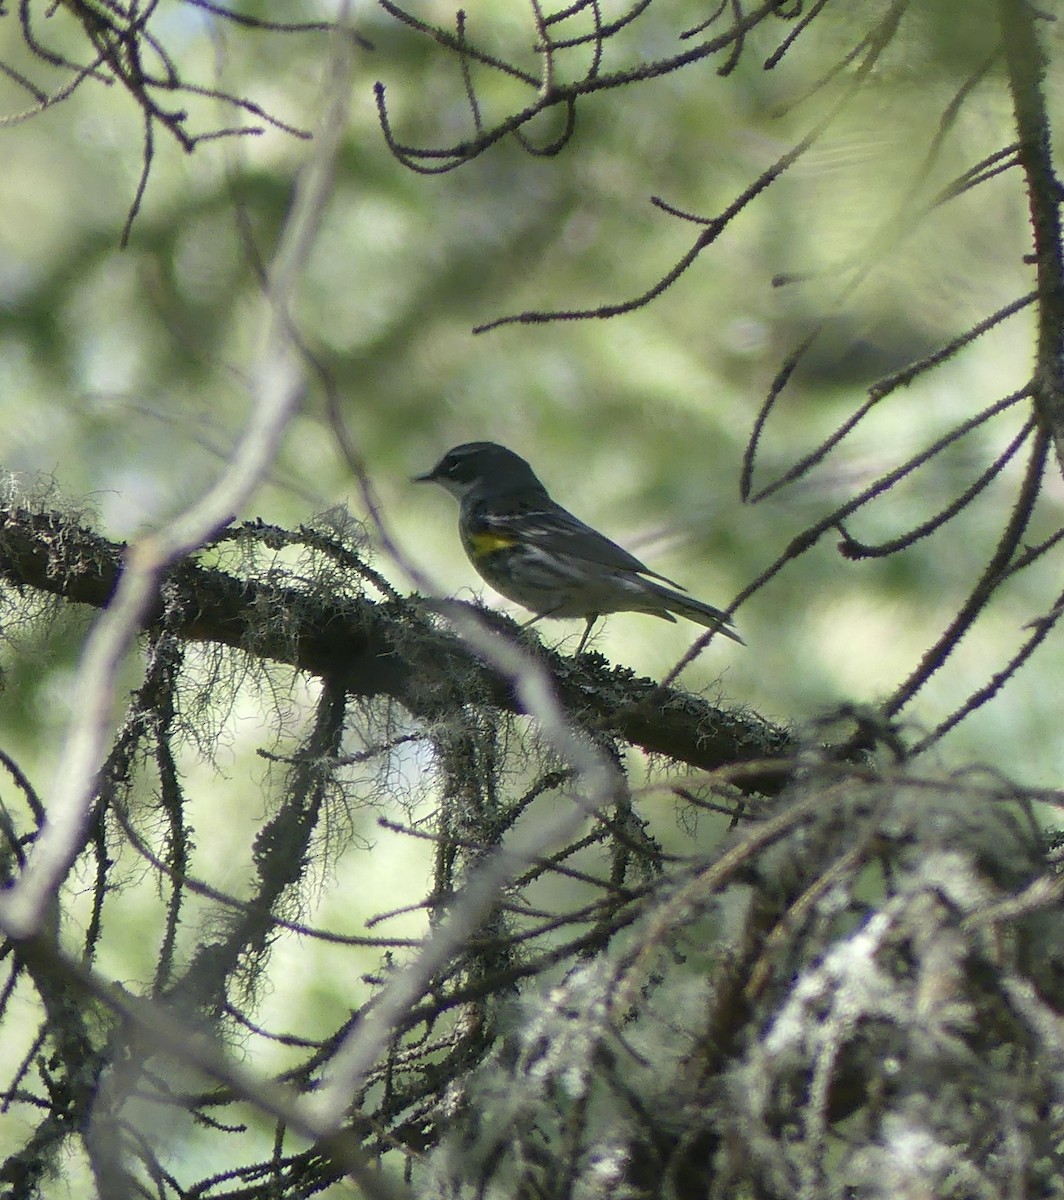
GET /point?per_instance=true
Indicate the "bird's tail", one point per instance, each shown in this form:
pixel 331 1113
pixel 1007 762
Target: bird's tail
pixel 695 610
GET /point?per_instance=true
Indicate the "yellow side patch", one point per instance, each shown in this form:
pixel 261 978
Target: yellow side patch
pixel 488 541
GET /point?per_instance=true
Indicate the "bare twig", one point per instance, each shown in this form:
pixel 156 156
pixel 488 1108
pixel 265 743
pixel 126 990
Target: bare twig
pixel 275 391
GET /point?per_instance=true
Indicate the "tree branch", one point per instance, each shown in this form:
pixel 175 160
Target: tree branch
pixel 383 649
pixel 1026 65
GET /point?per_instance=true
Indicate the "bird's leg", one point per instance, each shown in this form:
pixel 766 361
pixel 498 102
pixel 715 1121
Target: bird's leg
pixel 538 617
pixel 587 633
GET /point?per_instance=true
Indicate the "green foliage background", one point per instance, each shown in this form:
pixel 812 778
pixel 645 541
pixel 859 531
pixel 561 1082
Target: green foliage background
pixel 121 370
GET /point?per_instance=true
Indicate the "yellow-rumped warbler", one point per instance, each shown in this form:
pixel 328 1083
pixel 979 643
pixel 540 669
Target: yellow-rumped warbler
pixel 535 553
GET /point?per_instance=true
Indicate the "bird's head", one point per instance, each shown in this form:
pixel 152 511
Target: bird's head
pixel 481 465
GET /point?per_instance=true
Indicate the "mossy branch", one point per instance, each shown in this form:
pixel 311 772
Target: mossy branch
pixel 393 649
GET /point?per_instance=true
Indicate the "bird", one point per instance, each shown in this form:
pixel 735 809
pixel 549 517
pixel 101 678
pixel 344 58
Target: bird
pixel 537 554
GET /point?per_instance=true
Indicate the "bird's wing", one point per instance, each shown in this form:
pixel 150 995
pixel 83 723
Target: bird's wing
pixel 558 530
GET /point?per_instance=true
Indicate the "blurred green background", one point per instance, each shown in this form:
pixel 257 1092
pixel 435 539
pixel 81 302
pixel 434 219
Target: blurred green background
pixel 122 371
